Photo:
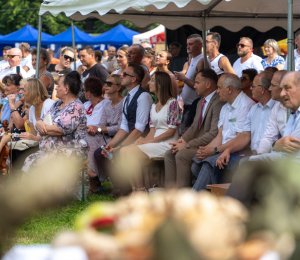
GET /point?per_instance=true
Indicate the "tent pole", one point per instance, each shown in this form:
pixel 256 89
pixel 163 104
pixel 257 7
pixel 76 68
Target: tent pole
pixel 73 43
pixel 204 40
pixel 39 46
pixel 290 41
pixel 166 44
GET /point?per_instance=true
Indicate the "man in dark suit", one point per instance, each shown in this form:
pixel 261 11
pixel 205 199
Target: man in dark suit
pixel 178 159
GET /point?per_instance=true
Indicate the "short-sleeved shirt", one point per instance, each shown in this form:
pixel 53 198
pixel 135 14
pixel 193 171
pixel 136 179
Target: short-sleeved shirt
pixel 257 121
pixel 27 62
pixel 96 71
pixel 233 116
pixel 251 63
pixel 277 60
pixel 110 64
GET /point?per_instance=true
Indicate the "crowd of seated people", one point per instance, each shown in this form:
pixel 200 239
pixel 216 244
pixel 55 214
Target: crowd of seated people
pixel 203 122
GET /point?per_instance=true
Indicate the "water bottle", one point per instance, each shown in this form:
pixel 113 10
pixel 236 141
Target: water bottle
pixel 109 155
pixel 5 100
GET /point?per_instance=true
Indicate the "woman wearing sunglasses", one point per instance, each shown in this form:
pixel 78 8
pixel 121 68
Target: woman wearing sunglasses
pixel 100 134
pixel 67 55
pixel 44 76
pixel 165 118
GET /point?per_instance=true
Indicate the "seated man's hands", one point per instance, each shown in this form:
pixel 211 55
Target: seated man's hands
pixel 223 159
pixel 41 127
pixel 177 146
pixel 92 130
pixel 140 141
pixel 204 152
pixel 287 144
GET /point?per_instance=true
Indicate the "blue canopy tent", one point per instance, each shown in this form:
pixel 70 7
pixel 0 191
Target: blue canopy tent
pixel 65 38
pixel 117 36
pixel 26 34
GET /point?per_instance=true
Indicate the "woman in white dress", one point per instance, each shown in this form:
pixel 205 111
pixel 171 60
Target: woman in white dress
pixel 165 118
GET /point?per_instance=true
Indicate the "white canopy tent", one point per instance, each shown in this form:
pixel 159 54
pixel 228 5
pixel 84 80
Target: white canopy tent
pixel 202 14
pixel 136 39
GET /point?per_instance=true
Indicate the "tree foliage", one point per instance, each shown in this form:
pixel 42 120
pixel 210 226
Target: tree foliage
pixel 15 14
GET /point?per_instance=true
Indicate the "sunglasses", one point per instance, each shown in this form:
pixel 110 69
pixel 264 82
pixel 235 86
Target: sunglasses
pixel 242 45
pixel 126 74
pixel 108 83
pixel 12 56
pixel 243 78
pixel 66 57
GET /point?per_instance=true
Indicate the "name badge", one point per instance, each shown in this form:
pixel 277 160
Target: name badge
pixel 232 120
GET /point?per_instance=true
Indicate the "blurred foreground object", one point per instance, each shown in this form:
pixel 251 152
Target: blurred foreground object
pixel 212 228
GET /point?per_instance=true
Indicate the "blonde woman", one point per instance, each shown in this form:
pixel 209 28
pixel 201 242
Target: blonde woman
pixel 122 60
pixel 272 50
pixel 36 94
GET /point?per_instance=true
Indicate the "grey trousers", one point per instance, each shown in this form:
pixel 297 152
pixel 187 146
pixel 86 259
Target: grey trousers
pixel 178 168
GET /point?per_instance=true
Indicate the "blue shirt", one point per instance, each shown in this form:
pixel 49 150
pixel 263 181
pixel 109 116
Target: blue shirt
pixel 6 112
pixel 293 123
pixel 278 60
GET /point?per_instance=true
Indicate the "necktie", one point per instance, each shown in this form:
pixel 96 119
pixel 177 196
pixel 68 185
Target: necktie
pixel 202 105
pixel 127 102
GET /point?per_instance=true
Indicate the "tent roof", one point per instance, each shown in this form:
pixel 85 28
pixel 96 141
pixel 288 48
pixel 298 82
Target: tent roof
pixel 65 38
pixel 137 39
pixel 26 34
pixel 118 35
pixel 233 15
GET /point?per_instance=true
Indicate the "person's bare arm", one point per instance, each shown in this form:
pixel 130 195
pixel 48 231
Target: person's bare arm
pixel 174 86
pixel 225 65
pixel 25 68
pixel 46 80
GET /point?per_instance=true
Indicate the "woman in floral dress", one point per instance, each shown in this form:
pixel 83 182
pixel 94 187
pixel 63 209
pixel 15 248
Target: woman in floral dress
pixel 67 134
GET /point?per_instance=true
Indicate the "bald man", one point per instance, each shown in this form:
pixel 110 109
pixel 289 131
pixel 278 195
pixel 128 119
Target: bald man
pixel 111 62
pixel 14 59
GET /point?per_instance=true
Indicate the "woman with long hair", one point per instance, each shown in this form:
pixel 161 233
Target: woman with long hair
pixel 163 60
pixel 165 118
pixel 122 60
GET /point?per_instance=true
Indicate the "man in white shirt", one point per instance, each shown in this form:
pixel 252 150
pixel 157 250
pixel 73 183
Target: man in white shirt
pixel 14 60
pixel 277 122
pixel 111 62
pixel 246 60
pixel 232 119
pixel 256 123
pixel 296 53
pixel 26 62
pixel 218 61
pixel 194 48
pixel 135 118
pixel 4 63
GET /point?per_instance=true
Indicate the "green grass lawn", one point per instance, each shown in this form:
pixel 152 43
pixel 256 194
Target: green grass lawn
pixel 42 227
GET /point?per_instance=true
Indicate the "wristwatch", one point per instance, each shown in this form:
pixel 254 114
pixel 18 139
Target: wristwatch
pixel 216 150
pixel 187 146
pixel 99 130
pixel 13 110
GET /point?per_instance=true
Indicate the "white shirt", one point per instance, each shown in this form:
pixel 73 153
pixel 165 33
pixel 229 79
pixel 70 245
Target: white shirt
pixel 208 98
pixel 256 57
pixel 144 103
pixel 296 59
pixel 3 64
pixel 78 63
pixel 257 121
pixel 13 70
pixel 189 94
pixel 27 62
pixel 233 117
pixel 94 118
pixel 46 106
pixel 275 128
pixel 214 63
pixel 251 63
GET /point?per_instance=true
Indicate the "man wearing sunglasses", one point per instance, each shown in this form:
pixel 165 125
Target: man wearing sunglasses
pixel 14 58
pixel 247 60
pixel 65 59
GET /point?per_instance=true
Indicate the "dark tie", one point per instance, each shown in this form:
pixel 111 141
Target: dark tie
pixel 127 102
pixel 202 105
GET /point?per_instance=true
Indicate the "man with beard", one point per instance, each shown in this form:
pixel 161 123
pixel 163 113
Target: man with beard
pixel 246 60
